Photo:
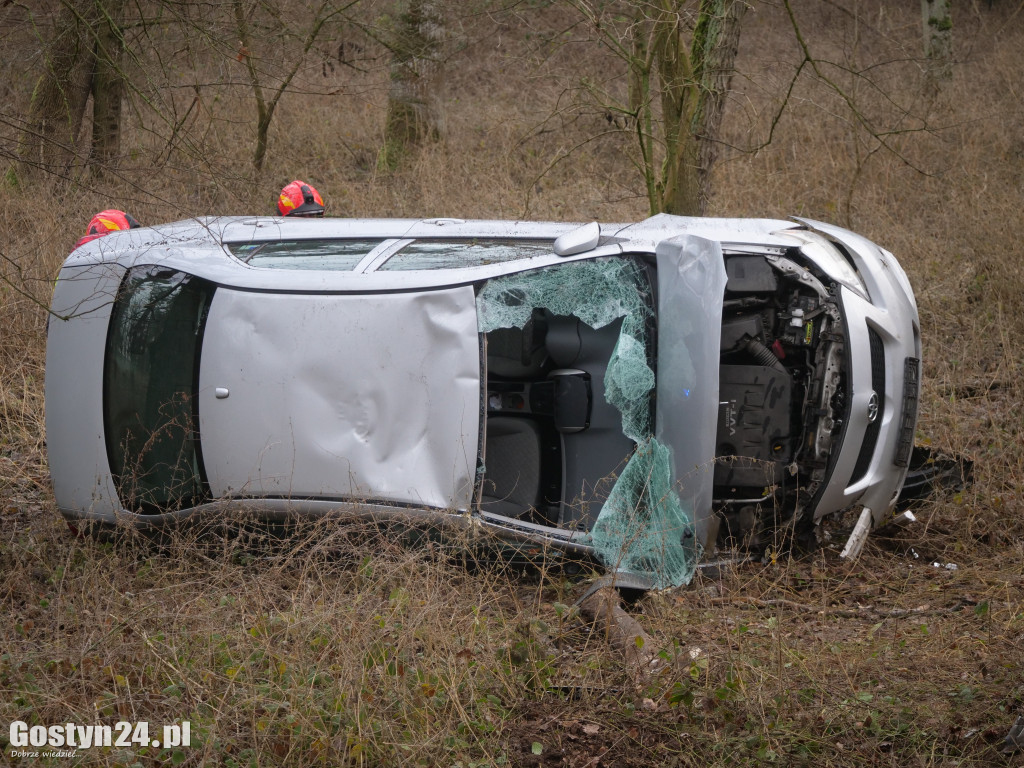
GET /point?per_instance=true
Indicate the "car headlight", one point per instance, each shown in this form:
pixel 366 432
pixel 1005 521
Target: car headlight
pixel 901 275
pixel 832 263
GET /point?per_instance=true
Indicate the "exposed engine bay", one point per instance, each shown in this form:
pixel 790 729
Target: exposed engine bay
pixel 782 397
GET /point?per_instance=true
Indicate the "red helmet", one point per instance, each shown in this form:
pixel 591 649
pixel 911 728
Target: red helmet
pixel 300 199
pixel 105 222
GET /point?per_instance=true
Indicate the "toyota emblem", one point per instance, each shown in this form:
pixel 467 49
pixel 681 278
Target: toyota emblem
pixel 872 408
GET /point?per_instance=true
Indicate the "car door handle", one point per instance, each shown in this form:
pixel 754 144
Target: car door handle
pixel 221 392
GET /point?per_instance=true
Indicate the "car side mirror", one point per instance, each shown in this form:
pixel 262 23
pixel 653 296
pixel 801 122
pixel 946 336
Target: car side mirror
pixel 579 240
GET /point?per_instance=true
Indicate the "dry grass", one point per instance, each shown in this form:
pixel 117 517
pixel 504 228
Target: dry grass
pixel 330 648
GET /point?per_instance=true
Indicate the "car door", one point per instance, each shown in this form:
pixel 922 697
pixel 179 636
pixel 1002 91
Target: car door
pixel 351 397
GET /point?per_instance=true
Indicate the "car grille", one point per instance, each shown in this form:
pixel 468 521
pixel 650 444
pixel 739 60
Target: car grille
pixel 867 449
pixel 911 382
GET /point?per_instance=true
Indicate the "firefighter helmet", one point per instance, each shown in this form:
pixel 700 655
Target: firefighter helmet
pixel 105 222
pixel 300 199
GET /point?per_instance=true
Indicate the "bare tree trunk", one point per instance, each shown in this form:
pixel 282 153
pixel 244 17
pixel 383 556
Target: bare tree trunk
pixel 640 63
pixel 107 86
pixel 716 41
pixel 265 105
pixel 680 97
pixel 687 194
pixel 937 18
pixel 415 110
pixel 264 112
pixel 692 85
pixel 49 140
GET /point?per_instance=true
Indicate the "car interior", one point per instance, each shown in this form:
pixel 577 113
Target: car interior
pixel 552 440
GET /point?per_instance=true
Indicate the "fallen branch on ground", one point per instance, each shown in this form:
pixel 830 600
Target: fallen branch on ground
pixel 603 609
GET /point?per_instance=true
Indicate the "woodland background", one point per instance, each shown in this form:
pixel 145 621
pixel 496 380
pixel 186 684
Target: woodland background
pixel 345 649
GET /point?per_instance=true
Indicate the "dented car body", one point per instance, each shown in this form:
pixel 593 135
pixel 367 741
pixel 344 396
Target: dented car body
pixel 639 392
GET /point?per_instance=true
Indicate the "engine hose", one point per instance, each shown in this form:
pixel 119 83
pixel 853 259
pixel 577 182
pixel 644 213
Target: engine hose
pixel 765 356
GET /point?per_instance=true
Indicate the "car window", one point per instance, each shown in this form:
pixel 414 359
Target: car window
pixel 149 385
pixel 339 255
pixel 456 254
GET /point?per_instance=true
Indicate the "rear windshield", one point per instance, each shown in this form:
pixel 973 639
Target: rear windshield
pixel 149 377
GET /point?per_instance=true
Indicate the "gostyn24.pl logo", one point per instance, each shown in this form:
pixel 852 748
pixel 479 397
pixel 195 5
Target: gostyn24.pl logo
pixel 25 739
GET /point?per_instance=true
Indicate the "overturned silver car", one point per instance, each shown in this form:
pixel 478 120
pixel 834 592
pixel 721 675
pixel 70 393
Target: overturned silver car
pixel 638 392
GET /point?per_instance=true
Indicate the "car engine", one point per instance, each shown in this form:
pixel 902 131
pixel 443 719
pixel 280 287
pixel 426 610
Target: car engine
pixel 782 395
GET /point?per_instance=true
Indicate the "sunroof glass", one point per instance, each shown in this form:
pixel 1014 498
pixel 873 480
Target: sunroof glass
pixel 304 254
pixel 455 254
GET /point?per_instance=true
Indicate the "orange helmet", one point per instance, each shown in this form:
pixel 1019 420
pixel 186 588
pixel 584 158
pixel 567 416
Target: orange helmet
pixel 300 199
pixel 105 222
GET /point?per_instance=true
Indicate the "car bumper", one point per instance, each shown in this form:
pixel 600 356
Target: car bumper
pixel 884 362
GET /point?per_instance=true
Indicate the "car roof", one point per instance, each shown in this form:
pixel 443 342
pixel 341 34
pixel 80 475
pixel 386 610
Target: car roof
pixel 198 245
pixel 231 229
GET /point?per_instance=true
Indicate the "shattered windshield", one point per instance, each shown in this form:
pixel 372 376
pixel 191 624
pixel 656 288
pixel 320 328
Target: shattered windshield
pixel 642 526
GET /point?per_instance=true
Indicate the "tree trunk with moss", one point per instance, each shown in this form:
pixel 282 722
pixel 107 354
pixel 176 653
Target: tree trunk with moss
pixel 50 137
pixel 937 18
pixel 415 109
pixel 82 59
pixel 689 83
